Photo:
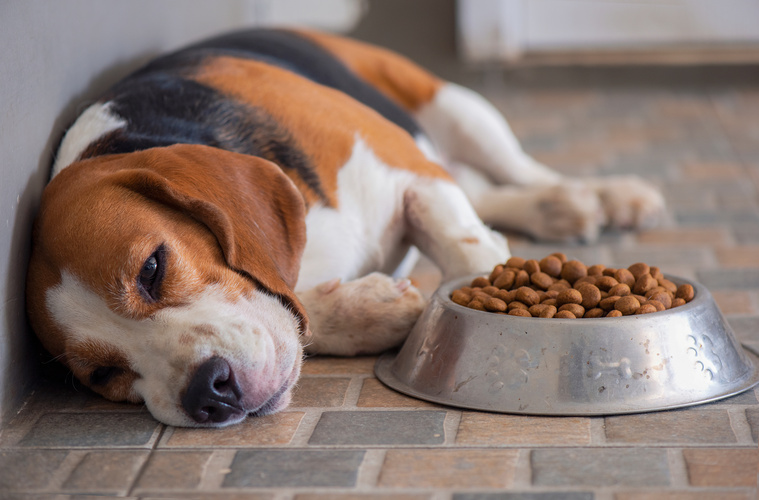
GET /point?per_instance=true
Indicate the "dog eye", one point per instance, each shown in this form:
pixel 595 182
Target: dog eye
pixel 103 374
pixel 151 274
pixel 149 270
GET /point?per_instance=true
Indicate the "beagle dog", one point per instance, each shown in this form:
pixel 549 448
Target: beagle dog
pixel 247 199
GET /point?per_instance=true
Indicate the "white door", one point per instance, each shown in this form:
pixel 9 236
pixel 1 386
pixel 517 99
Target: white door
pixel 506 29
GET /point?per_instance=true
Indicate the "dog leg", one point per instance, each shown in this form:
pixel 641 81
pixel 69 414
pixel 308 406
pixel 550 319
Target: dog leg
pixel 566 212
pixel 467 129
pixel 445 227
pixel 483 155
pixel 365 316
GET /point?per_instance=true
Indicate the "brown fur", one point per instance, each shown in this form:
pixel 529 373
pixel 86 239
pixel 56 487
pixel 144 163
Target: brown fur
pixel 392 74
pixel 327 131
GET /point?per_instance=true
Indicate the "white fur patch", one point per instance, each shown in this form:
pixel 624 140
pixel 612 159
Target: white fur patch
pixel 257 336
pixel 428 149
pixel 466 128
pixel 95 122
pixel 363 233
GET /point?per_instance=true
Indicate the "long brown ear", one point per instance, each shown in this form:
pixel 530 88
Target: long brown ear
pixel 248 203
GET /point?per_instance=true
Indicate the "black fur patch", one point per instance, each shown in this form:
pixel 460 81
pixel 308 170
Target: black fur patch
pixel 162 109
pixel 291 51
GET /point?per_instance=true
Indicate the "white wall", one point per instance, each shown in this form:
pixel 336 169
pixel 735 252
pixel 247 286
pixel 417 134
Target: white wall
pixel 506 29
pixel 55 57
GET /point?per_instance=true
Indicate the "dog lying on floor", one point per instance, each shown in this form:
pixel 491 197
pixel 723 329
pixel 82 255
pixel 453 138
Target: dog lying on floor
pixel 234 203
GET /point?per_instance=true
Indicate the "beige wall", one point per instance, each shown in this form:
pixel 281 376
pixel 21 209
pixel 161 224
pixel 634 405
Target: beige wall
pixel 55 57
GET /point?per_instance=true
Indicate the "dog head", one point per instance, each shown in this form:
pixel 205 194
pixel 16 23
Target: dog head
pixel 166 276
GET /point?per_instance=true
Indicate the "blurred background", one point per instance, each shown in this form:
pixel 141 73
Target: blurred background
pixel 662 88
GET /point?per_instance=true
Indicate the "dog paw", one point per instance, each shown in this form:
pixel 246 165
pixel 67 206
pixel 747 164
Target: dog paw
pixel 629 202
pixel 569 211
pixel 364 316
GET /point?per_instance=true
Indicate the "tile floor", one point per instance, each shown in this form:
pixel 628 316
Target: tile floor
pixel 347 436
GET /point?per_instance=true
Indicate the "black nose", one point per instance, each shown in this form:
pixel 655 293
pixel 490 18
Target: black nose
pixel 212 394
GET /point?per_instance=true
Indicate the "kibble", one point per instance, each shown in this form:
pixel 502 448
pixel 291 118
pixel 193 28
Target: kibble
pixel 685 292
pixel 569 296
pixel 565 314
pixel 627 305
pixel 495 305
pixel 556 287
pixel 551 265
pixel 505 279
pixel 573 270
pixel 531 266
pixel 590 294
pixel 575 309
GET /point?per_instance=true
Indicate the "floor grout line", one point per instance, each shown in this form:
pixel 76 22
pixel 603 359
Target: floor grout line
pixel 216 469
pixel 353 392
pixel 65 469
pixel 678 470
pixel 523 470
pixel 740 425
pixel 305 428
pixel 370 469
pixel 598 431
pixel 451 427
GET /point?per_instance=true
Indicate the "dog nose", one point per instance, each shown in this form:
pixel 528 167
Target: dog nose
pixel 212 395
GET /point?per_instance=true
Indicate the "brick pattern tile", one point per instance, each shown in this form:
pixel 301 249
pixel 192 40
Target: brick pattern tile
pixel 106 472
pixel 745 327
pixel 553 495
pixel 28 470
pixel 448 469
pixel 730 278
pixel 493 430
pixel 374 394
pixel 600 467
pixel 173 470
pixel 264 431
pixel 681 426
pixel 74 430
pixel 745 256
pixel 686 495
pixel 735 301
pixel 294 468
pixel 317 392
pixel 722 467
pixel 379 428
pixel 189 495
pixel 327 365
pixel 684 236
pixel 361 496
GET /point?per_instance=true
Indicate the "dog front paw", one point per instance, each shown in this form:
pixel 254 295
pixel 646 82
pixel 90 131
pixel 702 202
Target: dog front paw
pixel 364 316
pixel 629 202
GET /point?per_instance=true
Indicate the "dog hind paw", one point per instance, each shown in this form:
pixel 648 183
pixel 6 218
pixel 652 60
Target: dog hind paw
pixel 566 212
pixel 630 202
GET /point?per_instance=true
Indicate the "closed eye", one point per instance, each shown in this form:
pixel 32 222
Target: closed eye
pixel 151 275
pixel 101 375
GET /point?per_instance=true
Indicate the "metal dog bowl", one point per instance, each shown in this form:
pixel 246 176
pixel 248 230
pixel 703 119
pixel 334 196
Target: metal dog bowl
pixel 472 359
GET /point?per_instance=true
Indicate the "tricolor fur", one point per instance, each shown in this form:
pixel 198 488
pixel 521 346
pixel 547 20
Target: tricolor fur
pixel 246 198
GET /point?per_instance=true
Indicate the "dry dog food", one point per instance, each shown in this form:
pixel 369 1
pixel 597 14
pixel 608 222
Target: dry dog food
pixel 556 287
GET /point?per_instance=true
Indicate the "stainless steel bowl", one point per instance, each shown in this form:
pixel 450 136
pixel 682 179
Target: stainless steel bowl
pixel 472 359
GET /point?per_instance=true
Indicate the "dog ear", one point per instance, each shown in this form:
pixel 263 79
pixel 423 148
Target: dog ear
pixel 253 209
